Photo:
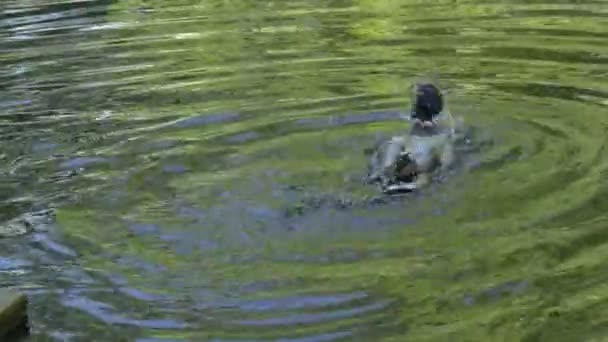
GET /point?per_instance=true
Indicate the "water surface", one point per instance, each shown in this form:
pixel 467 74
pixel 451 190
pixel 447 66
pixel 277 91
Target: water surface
pixel 205 160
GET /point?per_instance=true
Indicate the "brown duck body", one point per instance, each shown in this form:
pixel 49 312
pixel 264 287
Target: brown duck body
pixel 405 162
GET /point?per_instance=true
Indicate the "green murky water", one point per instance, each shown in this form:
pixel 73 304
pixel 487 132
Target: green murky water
pixel 205 160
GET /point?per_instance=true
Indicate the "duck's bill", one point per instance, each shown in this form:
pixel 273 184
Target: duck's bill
pixel 399 188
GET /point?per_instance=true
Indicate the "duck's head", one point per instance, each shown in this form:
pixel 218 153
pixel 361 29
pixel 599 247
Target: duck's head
pixel 427 103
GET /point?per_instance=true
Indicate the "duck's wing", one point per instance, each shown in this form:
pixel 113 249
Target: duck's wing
pixel 383 159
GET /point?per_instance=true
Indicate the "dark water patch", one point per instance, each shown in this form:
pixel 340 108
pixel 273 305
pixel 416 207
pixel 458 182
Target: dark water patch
pixel 529 53
pixel 204 120
pixel 321 326
pixel 143 296
pixel 312 318
pixel 15 103
pixel 318 202
pixel 342 120
pixel 177 165
pixel 552 326
pixel 144 228
pixel 74 275
pixel 557 12
pixel 28 13
pixel 187 211
pixel 260 286
pixel 551 90
pixel 547 129
pixel 47 243
pixel 44 146
pixel 8 264
pixel 187 242
pixel 162 145
pixel 346 256
pixel 242 137
pixel 298 303
pixel 554 251
pixel 508 157
pixel 325 104
pixel 142 265
pixel 590 209
pixel 498 292
pixel 175 169
pixel 104 312
pixel 81 162
pixel 551 31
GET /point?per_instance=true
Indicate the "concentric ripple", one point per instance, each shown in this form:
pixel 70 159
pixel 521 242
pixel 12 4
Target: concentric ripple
pixel 205 160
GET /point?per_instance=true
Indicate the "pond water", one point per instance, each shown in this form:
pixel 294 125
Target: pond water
pixel 204 161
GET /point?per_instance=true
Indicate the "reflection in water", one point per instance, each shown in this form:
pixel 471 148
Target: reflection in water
pixel 205 160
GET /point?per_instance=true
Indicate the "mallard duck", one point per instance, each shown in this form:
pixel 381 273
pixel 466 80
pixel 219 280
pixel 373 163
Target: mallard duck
pixel 404 163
